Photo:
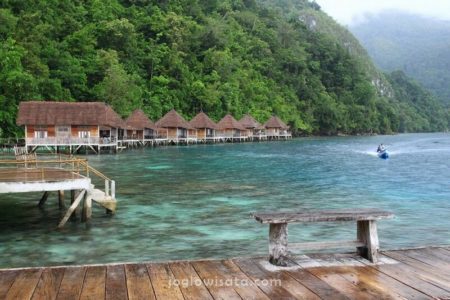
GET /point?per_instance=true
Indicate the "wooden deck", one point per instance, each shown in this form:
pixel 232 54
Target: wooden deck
pixel 23 180
pixel 402 274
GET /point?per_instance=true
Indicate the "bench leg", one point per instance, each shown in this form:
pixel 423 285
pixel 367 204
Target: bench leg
pixel 278 242
pixel 367 233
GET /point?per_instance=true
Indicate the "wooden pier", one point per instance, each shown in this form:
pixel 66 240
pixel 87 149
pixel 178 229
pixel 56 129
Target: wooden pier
pixel 62 173
pixel 402 274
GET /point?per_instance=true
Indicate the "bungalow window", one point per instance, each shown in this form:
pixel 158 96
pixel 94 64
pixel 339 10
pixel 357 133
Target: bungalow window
pixel 41 132
pixel 83 132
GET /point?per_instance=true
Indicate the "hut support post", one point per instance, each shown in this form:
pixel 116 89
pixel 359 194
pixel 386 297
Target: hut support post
pixel 87 208
pixel 43 199
pixel 61 203
pixel 72 200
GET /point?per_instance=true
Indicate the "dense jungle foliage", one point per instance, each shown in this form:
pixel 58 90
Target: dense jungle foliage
pixel 230 56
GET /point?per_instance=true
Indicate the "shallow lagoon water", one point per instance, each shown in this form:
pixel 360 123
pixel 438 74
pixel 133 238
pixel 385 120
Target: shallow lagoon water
pixel 195 202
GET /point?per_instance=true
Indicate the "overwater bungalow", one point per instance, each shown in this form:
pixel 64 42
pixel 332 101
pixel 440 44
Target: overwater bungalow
pixel 71 125
pixel 206 128
pixel 276 129
pixel 175 129
pixel 139 129
pixel 254 130
pixel 229 129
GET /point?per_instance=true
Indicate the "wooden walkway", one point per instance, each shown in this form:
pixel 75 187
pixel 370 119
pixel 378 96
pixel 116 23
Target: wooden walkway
pixel 402 274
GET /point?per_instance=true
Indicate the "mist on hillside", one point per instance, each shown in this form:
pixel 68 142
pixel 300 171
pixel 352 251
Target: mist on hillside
pixel 415 44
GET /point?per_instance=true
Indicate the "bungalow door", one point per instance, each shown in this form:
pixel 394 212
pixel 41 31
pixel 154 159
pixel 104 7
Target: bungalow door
pixel 182 133
pixel 63 134
pixel 84 134
pixel 40 132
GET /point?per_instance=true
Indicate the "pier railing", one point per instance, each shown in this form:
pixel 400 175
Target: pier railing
pixel 65 162
pixel 50 141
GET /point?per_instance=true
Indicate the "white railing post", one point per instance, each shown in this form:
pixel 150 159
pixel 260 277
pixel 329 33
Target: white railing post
pixel 113 189
pixel 106 187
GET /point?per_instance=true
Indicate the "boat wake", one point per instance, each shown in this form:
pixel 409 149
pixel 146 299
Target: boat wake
pixel 402 152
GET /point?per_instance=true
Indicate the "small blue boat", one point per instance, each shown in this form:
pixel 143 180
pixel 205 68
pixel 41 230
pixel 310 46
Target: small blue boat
pixel 383 154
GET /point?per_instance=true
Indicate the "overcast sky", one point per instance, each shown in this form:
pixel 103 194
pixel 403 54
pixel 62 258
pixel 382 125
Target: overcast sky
pixel 349 11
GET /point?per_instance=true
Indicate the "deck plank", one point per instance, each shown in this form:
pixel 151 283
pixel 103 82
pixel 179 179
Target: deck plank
pixel 425 257
pixel 213 280
pixel 191 285
pixel 317 286
pixel 439 253
pixel 412 279
pixel 368 282
pixel 6 280
pixel 289 288
pixel 116 284
pixel 400 274
pixel 383 282
pixel 138 282
pixel 331 276
pixel 94 283
pixel 418 265
pixel 49 284
pixel 345 267
pixel 163 282
pixel 72 283
pixel 24 284
pixel 244 286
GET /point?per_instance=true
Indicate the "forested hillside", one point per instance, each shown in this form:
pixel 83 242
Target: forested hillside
pixel 419 46
pixel 231 56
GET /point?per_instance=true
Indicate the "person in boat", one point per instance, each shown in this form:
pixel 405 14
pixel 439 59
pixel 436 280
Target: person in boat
pixel 380 148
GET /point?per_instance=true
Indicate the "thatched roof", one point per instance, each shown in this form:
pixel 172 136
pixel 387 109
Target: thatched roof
pixel 67 113
pixel 201 120
pixel 173 120
pixel 139 121
pixel 228 122
pixel 275 122
pixel 249 122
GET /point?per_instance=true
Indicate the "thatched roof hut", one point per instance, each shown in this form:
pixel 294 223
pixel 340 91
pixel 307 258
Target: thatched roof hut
pixel 275 122
pixel 68 113
pixel 201 120
pixel 228 122
pixel 139 121
pixel 173 120
pixel 249 122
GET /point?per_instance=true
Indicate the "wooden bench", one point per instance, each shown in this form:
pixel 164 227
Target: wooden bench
pixel 367 238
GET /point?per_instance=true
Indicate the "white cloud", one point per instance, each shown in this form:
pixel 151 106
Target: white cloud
pixel 348 11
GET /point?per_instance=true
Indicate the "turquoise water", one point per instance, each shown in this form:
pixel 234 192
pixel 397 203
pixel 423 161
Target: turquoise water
pixel 195 202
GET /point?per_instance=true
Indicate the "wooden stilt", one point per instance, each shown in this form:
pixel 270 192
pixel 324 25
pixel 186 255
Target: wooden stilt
pixel 43 199
pixel 87 208
pixel 72 200
pixel 72 209
pixel 61 199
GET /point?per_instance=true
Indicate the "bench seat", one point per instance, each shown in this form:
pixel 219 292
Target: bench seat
pixel 323 216
pixel 367 244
